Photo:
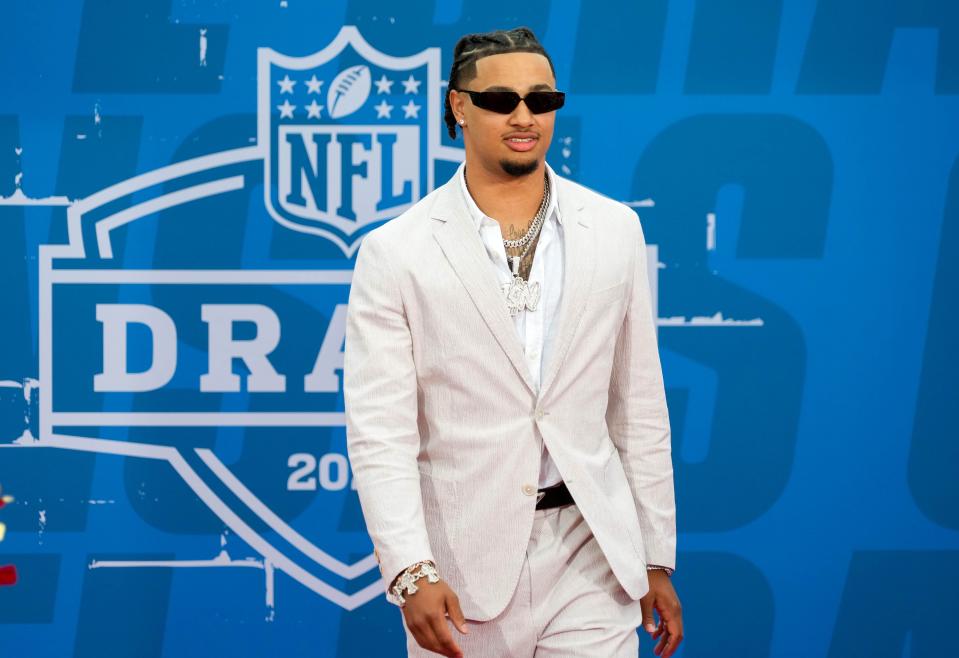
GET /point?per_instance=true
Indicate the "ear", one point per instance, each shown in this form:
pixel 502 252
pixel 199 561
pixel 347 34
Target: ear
pixel 457 101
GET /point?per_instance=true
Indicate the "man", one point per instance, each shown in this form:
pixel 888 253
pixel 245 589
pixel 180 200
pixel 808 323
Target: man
pixel 506 417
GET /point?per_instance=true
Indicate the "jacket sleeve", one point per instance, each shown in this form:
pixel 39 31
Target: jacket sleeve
pixel 380 399
pixel 637 417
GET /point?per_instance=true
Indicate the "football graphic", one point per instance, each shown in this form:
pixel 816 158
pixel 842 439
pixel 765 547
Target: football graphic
pixel 348 92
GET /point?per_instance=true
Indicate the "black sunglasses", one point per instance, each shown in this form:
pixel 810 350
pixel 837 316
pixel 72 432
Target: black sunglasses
pixel 505 102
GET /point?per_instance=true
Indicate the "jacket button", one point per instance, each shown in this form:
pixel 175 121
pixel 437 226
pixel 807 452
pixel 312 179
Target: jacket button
pixel 529 489
pixel 540 414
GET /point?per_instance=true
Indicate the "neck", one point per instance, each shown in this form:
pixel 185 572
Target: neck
pixel 510 200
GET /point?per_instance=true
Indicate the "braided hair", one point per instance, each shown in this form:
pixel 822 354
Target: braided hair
pixel 473 47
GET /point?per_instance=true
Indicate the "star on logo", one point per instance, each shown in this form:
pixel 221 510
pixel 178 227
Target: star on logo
pixel 383 110
pixel 286 110
pixel 313 110
pixel 411 110
pixel 313 85
pixel 384 85
pixel 411 85
pixel 286 85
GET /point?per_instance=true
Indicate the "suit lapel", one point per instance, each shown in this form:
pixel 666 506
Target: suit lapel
pixel 579 244
pixel 458 238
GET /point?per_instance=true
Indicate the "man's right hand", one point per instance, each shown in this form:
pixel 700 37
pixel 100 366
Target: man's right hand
pixel 426 612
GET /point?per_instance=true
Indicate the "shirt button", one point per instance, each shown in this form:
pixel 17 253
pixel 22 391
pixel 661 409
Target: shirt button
pixel 529 489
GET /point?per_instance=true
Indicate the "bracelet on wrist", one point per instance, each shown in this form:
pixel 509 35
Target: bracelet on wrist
pixel 651 567
pixel 405 584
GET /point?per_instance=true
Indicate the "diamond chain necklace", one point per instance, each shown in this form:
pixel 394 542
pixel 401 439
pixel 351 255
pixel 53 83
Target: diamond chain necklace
pixel 535 225
pixel 520 294
pixel 526 241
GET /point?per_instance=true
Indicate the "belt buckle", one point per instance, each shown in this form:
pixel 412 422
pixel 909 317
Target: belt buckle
pixel 539 496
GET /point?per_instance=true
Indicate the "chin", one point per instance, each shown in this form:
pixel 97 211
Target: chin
pixel 519 168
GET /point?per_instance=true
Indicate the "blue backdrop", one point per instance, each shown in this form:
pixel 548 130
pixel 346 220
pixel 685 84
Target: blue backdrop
pixel 165 197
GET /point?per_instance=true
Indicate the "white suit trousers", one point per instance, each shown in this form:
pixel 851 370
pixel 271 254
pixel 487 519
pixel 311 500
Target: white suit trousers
pixel 567 602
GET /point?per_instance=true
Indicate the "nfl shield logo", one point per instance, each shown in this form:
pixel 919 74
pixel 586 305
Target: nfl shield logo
pixel 349 136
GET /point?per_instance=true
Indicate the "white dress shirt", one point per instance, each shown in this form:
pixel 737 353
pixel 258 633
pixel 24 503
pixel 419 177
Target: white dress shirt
pixel 533 327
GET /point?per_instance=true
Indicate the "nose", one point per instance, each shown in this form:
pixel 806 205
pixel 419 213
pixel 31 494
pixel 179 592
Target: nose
pixel 521 116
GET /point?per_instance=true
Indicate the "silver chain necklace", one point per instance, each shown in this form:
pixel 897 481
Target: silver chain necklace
pixel 535 225
pixel 526 241
pixel 520 294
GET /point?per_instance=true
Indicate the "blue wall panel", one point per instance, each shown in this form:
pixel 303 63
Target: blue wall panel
pixel 795 164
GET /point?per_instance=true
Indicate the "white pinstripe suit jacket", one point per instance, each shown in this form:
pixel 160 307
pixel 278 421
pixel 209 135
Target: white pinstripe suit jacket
pixel 440 409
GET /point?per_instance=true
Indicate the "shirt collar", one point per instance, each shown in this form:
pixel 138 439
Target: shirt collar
pixel 478 215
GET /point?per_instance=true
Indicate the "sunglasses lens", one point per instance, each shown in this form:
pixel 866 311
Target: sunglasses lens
pixel 505 102
pixel 502 102
pixel 544 101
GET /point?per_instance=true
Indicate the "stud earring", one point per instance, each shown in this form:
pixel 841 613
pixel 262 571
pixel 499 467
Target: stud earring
pixel 462 122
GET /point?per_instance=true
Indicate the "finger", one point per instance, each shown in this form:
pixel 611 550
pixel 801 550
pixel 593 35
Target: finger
pixel 646 605
pixel 424 635
pixel 671 644
pixel 663 632
pixel 675 637
pixel 658 649
pixel 456 614
pixel 660 629
pixel 671 636
pixel 444 638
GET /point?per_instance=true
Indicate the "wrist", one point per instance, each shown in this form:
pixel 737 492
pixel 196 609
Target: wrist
pixel 657 567
pixel 405 582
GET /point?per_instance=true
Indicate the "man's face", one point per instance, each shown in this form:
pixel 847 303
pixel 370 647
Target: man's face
pixel 514 143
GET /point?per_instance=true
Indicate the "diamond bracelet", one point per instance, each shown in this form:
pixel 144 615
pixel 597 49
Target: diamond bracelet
pixel 407 581
pixel 650 567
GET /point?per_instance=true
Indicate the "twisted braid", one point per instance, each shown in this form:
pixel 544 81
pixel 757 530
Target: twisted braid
pixel 473 47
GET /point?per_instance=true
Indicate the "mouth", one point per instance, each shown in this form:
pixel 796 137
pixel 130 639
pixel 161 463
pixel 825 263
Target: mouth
pixel 521 142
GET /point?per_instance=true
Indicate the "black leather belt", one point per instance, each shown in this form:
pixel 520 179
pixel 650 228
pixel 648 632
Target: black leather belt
pixel 555 496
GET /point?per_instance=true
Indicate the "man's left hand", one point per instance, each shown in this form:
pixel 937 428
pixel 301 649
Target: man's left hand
pixel 662 597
